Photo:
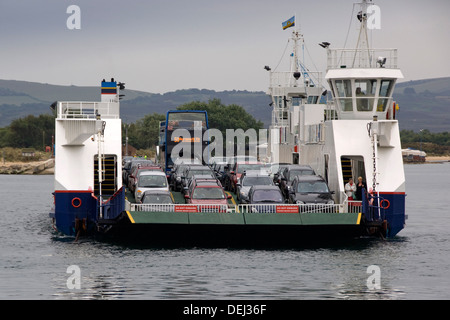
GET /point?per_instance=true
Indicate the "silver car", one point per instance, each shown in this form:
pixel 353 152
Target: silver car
pixel 150 180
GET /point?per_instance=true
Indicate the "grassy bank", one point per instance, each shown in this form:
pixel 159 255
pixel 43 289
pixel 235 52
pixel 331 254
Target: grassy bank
pixel 8 154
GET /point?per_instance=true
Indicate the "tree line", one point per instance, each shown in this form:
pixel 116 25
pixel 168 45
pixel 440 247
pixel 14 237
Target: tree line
pixel 29 132
pixel 431 143
pixel 38 131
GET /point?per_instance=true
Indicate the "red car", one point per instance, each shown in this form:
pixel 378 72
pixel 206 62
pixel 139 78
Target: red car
pixel 209 195
pixel 236 170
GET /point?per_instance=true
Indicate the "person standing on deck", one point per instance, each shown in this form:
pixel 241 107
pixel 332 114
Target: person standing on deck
pixel 350 189
pixel 359 186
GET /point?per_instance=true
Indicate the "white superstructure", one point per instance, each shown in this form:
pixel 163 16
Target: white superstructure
pixel 88 144
pixel 359 136
pixel 355 134
pixel 289 90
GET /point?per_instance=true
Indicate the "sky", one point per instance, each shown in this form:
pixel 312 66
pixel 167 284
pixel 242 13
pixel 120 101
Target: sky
pixel 159 46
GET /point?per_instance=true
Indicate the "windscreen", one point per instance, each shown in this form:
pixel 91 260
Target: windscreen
pixel 260 181
pixel 157 198
pixel 208 193
pixel 312 187
pixel 152 181
pixel 267 196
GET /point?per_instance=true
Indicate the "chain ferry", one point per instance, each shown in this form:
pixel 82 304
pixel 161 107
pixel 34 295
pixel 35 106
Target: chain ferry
pixel 353 135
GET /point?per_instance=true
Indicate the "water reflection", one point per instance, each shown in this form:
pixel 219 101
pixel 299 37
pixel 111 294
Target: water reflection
pixel 414 265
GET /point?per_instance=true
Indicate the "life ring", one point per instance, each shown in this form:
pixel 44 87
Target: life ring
pixel 387 206
pixel 79 202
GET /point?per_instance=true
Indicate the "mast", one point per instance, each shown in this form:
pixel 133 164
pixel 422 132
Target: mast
pixel 362 46
pixel 289 90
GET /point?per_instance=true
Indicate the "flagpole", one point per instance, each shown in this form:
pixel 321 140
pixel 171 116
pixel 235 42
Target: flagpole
pixel 295 37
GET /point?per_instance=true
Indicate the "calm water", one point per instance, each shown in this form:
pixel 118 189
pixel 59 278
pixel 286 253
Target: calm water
pixel 34 259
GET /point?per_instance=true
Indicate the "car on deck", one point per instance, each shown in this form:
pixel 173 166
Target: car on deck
pixel 157 201
pixel 150 180
pixel 130 165
pixel 234 172
pixel 289 173
pixel 310 190
pixel 191 171
pixel 209 194
pixel 177 173
pixel 274 169
pixel 157 196
pixel 264 199
pixel 250 179
pixel 133 177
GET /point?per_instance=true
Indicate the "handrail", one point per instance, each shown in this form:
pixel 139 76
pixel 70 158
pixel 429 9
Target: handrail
pixel 371 210
pixel 163 207
pixel 286 79
pixel 112 208
pixel 241 208
pixel 361 58
pixel 87 110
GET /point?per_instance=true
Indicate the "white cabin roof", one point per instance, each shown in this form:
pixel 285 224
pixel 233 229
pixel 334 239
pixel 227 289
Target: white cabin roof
pixel 377 73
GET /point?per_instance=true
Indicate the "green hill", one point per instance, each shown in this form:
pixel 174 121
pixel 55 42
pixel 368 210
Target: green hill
pixel 20 98
pixel 424 104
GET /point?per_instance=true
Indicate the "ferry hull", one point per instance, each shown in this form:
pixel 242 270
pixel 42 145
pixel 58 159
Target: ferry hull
pixel 235 229
pixel 395 213
pixel 75 211
pixel 234 236
pixel 78 212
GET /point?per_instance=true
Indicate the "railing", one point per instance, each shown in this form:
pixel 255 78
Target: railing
pixel 286 79
pixel 373 207
pixel 111 208
pixel 242 208
pixel 88 110
pixel 292 208
pixel 361 58
pixel 204 208
pixel 354 206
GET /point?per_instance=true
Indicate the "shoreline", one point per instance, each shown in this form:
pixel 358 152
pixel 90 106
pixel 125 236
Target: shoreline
pixel 48 166
pixel 437 159
pixel 33 167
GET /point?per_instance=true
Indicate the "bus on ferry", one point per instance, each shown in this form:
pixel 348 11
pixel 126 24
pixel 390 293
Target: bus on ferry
pixel 182 135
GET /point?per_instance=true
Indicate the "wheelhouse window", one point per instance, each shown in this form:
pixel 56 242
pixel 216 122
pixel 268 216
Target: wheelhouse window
pixel 365 91
pixel 313 99
pixel 344 90
pixel 384 95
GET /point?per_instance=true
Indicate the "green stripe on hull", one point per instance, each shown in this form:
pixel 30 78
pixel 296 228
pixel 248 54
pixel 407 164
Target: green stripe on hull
pixel 305 219
pixel 144 217
pixel 216 218
pixel 322 218
pixel 272 218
